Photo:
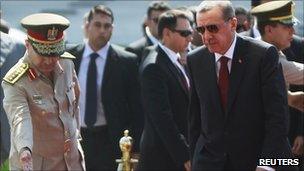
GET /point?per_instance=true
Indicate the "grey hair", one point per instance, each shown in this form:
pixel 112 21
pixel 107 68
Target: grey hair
pixel 225 6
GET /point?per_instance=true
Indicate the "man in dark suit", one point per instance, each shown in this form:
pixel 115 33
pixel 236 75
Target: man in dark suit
pixel 238 109
pixel 112 104
pixel 155 9
pixel 165 88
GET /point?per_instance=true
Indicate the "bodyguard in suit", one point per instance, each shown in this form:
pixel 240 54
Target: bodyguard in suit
pixel 165 96
pixel 238 110
pixel 11 51
pixel 109 99
pixel 155 9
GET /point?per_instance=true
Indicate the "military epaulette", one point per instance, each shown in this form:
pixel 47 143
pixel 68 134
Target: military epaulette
pixel 16 73
pixel 67 55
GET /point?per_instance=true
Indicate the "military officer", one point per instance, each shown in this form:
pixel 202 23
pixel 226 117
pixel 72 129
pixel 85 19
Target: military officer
pixel 41 100
pixel 275 22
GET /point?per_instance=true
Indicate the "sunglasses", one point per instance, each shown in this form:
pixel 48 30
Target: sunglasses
pixel 183 33
pixel 212 28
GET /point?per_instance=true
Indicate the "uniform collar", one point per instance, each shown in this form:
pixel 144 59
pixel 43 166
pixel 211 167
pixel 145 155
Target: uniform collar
pixel 34 71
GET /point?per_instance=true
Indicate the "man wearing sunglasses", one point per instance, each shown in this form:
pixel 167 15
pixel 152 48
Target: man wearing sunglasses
pixel 155 9
pixel 238 107
pixel 165 88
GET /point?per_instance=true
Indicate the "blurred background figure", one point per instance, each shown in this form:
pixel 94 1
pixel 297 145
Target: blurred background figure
pixel 16 34
pixel 84 28
pixel 11 51
pixel 196 37
pixel 243 19
pixel 155 9
pixel 110 97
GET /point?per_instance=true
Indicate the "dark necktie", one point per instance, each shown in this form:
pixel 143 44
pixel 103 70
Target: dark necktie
pixel 223 81
pixel 182 76
pixel 91 92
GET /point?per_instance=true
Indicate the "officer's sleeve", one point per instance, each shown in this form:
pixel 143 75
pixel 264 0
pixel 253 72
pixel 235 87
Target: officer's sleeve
pixel 16 107
pixel 293 72
pixel 77 93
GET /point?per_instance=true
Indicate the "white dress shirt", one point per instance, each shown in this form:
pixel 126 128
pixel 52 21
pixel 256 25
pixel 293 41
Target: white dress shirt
pixel 174 58
pixel 228 54
pixel 82 75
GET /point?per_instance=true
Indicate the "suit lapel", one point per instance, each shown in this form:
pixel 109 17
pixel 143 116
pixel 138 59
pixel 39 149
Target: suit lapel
pixel 237 70
pixel 109 66
pixel 209 74
pixel 173 69
pixel 78 54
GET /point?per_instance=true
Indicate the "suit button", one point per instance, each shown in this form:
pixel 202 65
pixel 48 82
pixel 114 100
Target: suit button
pixel 225 154
pixel 226 133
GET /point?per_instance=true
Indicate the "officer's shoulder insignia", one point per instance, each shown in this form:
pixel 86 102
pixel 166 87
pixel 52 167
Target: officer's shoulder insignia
pixel 16 73
pixel 67 55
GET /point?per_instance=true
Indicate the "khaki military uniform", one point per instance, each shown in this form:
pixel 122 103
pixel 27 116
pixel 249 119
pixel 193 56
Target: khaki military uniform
pixel 293 71
pixel 44 116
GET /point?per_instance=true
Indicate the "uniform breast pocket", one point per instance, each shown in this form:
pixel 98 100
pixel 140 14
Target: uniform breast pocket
pixel 71 100
pixel 39 103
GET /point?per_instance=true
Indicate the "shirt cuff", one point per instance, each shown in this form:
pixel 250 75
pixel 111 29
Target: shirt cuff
pixel 266 168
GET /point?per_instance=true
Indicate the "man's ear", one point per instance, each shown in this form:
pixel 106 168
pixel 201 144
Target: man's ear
pixel 233 23
pixel 27 44
pixel 86 26
pixel 166 32
pixel 268 29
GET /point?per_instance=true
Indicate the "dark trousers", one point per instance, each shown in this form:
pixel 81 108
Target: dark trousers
pixel 98 149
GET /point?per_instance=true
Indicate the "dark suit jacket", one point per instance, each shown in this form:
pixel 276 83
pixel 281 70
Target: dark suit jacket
pixel 120 94
pixel 165 103
pixel 256 121
pixel 139 46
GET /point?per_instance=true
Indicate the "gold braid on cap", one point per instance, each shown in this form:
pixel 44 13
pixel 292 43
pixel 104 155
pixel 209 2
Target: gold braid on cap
pixel 47 49
pixel 280 18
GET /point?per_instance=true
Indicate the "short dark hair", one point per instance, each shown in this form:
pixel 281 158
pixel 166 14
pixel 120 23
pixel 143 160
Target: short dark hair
pixel 240 11
pixel 157 6
pixel 262 24
pixel 100 9
pixel 169 20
